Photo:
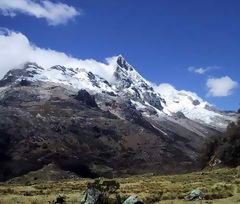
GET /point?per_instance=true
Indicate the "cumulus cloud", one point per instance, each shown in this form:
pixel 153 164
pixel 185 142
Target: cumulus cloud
pixel 54 13
pixel 170 92
pixel 165 89
pixel 202 70
pixel 223 86
pixel 16 49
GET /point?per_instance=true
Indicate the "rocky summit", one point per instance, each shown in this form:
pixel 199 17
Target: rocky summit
pixel 95 127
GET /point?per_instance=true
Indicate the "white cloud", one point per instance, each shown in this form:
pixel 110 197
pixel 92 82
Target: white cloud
pixel 223 86
pixel 54 13
pixel 170 92
pixel 202 70
pixel 16 49
pixel 166 89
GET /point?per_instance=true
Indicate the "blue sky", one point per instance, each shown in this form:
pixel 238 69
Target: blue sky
pixel 160 38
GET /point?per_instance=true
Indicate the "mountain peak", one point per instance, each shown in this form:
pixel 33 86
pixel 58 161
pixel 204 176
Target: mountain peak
pixel 126 75
pixel 122 63
pixel 29 64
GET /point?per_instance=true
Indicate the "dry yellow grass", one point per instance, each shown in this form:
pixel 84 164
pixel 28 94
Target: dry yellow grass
pixel 220 187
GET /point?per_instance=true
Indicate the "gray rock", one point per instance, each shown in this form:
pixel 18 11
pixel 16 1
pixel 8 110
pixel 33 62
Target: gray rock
pixel 195 194
pixel 133 200
pixel 196 102
pixel 92 196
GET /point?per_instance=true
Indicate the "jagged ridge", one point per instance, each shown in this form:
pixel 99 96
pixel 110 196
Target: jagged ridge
pixel 127 84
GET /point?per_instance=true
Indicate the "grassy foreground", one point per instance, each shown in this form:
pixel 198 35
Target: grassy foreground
pixel 220 186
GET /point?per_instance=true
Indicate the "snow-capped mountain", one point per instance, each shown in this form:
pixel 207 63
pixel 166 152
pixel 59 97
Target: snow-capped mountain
pixel 128 85
pixel 96 127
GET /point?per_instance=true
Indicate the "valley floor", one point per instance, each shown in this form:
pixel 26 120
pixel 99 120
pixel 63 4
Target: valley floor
pixel 220 186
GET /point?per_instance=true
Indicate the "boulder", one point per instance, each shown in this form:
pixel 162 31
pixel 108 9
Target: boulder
pixel 102 191
pixel 195 194
pixel 92 196
pixel 133 200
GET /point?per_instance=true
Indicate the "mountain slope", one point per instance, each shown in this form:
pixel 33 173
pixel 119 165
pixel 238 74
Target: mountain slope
pixel 94 127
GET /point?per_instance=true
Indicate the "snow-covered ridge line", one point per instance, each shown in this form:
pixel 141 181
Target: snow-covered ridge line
pixel 77 78
pixel 127 84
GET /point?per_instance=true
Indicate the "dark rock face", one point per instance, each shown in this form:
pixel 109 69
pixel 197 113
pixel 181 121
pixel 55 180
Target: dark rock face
pixel 179 114
pixel 24 82
pixel 154 100
pixel 6 80
pixel 123 64
pixel 86 98
pixel 125 82
pixel 196 102
pixel 109 93
pixel 42 124
pixel 4 145
pixel 134 116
